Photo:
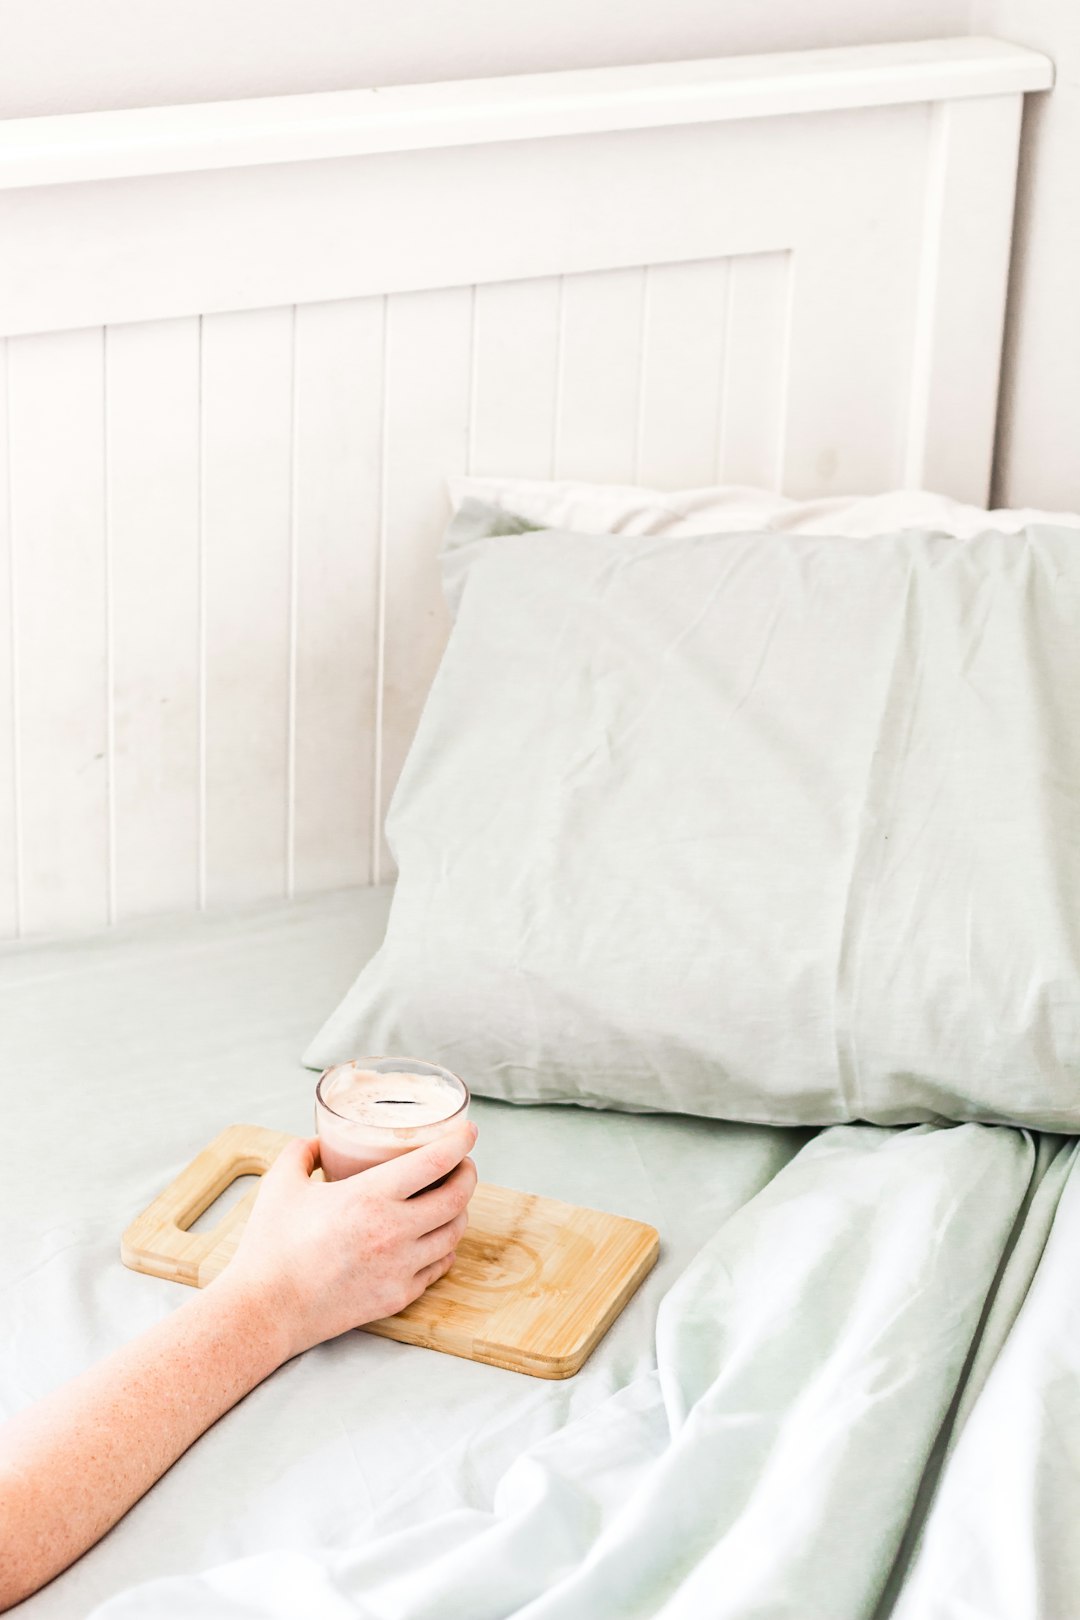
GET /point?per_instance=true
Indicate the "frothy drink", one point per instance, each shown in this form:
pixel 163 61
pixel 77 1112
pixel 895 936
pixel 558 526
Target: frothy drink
pixel 374 1109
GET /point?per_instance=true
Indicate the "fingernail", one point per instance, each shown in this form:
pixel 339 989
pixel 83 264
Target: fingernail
pixel 475 1129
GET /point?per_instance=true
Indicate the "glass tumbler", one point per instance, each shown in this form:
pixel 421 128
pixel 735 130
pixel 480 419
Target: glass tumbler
pixel 371 1109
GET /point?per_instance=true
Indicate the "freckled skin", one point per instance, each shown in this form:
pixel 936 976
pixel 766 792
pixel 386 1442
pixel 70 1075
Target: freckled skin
pixel 316 1259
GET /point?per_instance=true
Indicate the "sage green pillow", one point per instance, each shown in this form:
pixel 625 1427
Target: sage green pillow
pixel 764 827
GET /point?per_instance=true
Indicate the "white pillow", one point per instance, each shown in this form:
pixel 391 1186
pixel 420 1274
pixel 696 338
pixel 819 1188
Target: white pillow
pixel 733 508
pixel 766 827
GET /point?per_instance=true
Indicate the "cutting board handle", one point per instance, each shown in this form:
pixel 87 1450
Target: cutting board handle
pixel 159 1242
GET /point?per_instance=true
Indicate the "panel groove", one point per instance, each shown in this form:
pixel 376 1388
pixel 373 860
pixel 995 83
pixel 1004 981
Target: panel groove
pixel 724 379
pixel 380 601
pixel 560 369
pixel 294 565
pixel 13 596
pixel 202 616
pixel 783 401
pixel 474 339
pixel 643 363
pixel 110 651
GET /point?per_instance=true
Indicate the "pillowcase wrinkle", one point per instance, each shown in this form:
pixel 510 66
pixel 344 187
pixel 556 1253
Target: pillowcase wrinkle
pixel 771 827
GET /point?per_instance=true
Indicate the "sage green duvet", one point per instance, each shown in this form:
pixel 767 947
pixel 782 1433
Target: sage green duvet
pixel 864 1404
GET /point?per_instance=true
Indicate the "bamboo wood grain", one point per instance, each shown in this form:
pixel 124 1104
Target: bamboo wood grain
pixel 536 1285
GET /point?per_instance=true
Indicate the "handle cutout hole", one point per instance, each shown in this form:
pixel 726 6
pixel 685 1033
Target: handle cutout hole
pixel 222 1204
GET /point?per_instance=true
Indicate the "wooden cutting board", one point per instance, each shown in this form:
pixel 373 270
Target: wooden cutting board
pixel 536 1284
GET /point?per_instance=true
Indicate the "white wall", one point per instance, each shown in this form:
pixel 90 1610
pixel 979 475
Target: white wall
pixel 83 55
pixel 1038 454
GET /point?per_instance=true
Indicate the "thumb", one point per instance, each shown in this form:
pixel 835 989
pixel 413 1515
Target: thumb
pixel 296 1160
pixel 413 1171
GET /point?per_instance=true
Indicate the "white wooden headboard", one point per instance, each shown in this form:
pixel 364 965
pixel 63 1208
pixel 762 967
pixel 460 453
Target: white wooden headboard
pixel 243 345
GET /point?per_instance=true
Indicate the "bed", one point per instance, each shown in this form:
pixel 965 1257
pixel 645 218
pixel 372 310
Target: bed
pixel 261 339
pixel 375 1478
pixel 228 1002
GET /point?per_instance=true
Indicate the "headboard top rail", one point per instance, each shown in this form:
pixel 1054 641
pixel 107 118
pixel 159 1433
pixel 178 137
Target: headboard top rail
pixel 349 123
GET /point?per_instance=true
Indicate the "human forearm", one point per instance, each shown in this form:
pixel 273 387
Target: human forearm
pixel 315 1260
pixel 72 1465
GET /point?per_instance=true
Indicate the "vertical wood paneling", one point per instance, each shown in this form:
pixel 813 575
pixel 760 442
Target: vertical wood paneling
pixel 755 377
pixel 225 534
pixel 9 874
pixel 58 535
pixel 516 356
pixel 152 436
pixel 597 430
pixel 682 367
pixel 338 444
pixel 428 354
pixel 246 573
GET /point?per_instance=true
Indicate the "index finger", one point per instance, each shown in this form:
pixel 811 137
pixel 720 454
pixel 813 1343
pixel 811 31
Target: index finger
pixel 413 1171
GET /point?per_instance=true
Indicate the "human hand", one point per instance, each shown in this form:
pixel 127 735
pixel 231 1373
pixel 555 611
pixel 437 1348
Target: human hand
pixel 323 1257
pixel 315 1259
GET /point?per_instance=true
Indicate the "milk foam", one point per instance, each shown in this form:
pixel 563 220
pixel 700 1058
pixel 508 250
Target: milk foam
pixel 390 1100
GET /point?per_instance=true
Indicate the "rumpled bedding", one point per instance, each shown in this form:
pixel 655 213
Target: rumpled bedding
pixel 864 1405
pixel 849 1388
pixel 120 1057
